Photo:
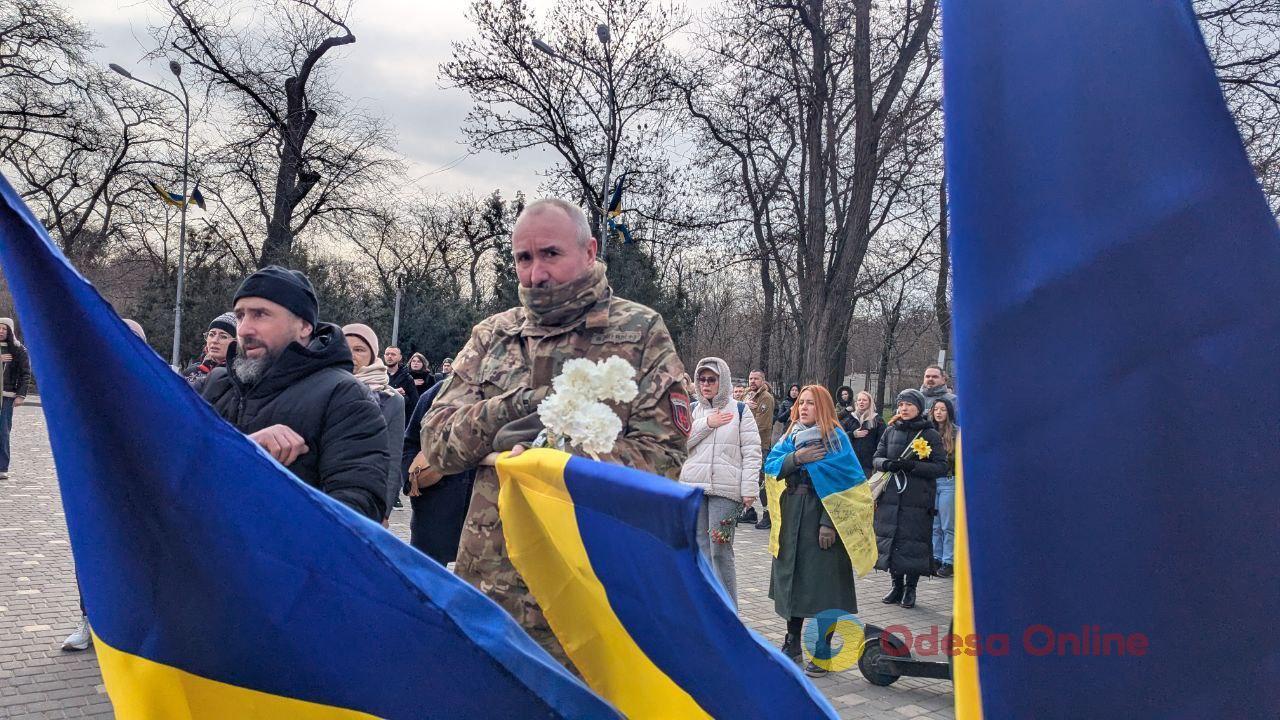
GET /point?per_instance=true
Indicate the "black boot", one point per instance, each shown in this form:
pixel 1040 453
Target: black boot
pixel 946 571
pixel 748 516
pixel 765 523
pixel 908 597
pixel 791 647
pixel 895 594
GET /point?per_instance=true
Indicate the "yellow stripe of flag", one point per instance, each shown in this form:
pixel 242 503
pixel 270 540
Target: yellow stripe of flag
pixel 544 544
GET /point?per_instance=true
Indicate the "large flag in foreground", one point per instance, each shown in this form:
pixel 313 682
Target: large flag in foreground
pixel 611 556
pixel 217 584
pixel 1117 279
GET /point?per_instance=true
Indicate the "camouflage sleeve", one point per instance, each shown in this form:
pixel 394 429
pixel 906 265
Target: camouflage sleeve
pixel 458 431
pixel 658 426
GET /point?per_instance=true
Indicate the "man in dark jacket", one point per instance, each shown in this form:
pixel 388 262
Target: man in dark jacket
pixel 401 380
pixel 289 387
pixel 934 387
pixel 438 509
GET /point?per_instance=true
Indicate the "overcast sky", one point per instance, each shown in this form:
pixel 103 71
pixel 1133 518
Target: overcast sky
pixel 392 69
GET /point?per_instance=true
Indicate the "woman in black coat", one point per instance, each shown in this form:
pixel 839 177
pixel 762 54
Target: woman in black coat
pixel 439 509
pixel 784 407
pixel 868 426
pixel 844 409
pixel 904 513
pixel 15 370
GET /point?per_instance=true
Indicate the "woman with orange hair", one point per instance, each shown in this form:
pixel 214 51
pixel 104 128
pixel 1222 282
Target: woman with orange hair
pixel 812 571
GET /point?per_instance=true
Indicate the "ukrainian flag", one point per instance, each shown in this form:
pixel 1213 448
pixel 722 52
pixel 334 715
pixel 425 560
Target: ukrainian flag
pixel 170 198
pixel 611 556
pixel 842 487
pixel 1117 275
pixel 217 584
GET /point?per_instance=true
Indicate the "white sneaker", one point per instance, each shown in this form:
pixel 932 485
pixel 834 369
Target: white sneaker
pixel 4 476
pixel 81 639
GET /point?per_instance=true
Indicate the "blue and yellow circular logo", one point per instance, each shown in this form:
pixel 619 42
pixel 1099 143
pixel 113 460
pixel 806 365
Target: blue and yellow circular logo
pixel 833 640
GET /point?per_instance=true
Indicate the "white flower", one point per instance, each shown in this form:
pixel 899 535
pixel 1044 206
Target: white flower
pixel 616 380
pixel 557 412
pixel 574 410
pixel 595 427
pixel 577 377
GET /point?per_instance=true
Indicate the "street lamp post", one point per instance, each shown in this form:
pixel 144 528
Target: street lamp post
pixel 602 32
pixel 395 319
pixel 176 68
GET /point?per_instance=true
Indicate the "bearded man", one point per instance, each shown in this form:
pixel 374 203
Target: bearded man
pixel 288 385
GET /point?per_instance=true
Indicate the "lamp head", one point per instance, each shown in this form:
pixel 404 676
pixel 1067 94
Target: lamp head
pixel 543 47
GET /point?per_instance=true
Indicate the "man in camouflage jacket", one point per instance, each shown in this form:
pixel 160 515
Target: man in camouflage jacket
pixel 489 403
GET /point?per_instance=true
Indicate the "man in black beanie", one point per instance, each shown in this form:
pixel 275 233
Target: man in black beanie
pixel 288 386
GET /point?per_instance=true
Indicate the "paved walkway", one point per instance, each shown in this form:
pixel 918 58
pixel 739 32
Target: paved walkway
pixel 38 606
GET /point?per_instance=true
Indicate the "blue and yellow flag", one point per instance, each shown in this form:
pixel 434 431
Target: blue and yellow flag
pixel 615 224
pixel 611 556
pixel 220 586
pixel 176 199
pixel 1117 275
pixel 840 483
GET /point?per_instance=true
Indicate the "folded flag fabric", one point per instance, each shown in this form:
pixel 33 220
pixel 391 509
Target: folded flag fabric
pixel 220 586
pixel 611 556
pixel 1117 271
pixel 841 485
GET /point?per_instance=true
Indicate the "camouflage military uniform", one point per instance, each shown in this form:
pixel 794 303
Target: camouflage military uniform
pixel 504 372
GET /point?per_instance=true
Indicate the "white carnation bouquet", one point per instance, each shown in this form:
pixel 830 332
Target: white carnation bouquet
pixel 575 413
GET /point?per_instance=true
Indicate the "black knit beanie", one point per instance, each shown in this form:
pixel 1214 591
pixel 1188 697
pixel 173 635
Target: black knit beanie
pixel 913 396
pixel 282 286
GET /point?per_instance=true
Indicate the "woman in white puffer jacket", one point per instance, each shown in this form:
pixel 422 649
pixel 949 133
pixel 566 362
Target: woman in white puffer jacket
pixel 724 460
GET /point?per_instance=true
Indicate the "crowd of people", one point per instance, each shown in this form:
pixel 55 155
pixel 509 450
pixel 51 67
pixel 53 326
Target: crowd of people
pixel 365 425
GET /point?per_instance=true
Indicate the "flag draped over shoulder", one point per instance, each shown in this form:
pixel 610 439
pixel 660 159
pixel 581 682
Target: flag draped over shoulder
pixel 611 557
pixel 1116 280
pixel 220 586
pixel 840 483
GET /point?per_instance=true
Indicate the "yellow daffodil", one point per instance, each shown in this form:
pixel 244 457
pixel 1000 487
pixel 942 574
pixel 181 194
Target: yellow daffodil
pixel 921 446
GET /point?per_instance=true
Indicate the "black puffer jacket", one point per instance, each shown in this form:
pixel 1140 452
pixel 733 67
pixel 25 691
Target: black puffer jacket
pixel 17 372
pixel 311 390
pixel 904 512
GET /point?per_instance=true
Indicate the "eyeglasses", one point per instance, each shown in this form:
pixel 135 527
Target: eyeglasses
pixel 708 380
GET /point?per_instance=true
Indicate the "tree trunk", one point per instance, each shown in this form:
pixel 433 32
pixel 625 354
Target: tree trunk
pixel 766 334
pixel 941 303
pixel 886 351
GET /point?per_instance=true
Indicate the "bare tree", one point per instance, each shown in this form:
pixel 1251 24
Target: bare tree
pixel 78 142
pixel 96 160
pixel 42 64
pixel 822 119
pixel 526 99
pixel 298 152
pixel 1243 37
